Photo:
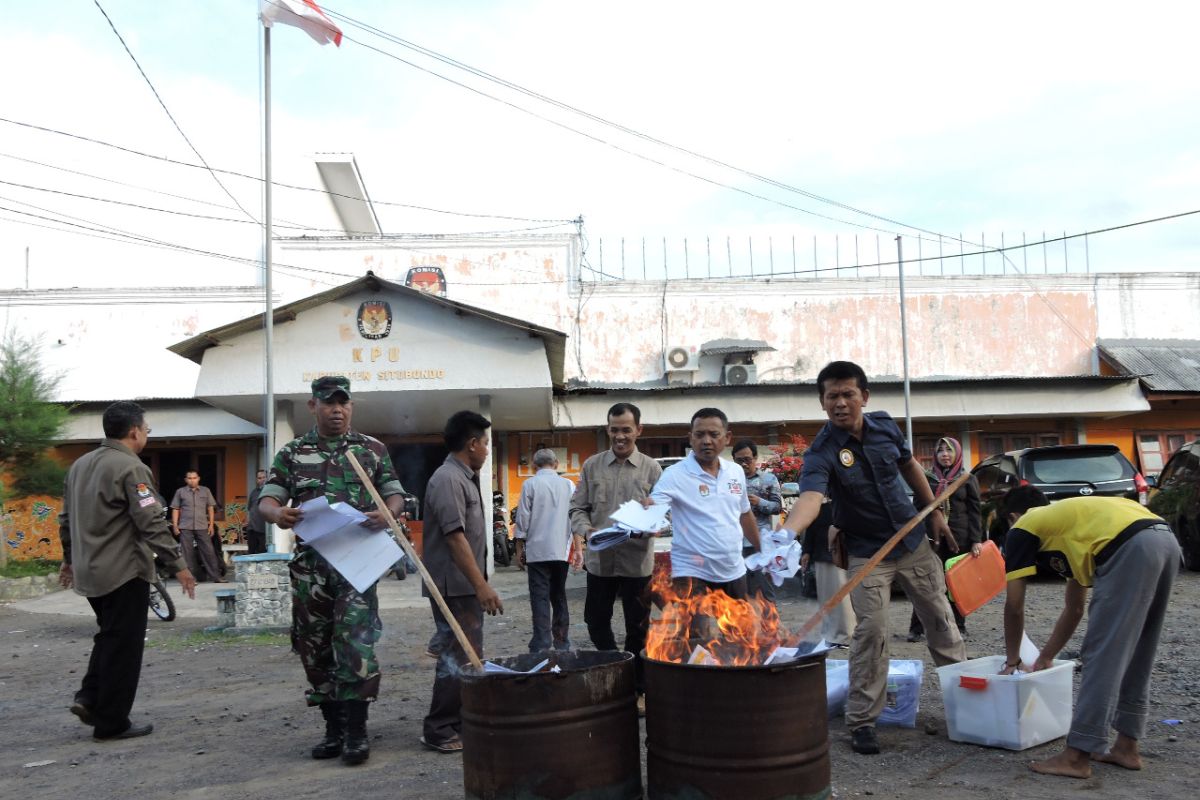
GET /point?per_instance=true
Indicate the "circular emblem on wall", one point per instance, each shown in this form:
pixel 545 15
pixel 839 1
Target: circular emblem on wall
pixel 374 319
pixel 846 457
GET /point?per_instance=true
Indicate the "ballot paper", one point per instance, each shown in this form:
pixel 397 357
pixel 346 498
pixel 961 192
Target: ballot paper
pixel 492 668
pixel 701 655
pixel 1028 655
pixel 776 562
pixel 610 537
pixel 781 654
pixel 362 556
pixel 633 516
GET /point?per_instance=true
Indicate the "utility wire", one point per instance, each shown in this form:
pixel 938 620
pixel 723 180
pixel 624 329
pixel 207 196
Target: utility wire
pixel 168 160
pixel 449 61
pixel 171 116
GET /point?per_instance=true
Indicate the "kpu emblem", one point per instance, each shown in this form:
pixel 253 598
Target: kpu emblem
pixel 846 457
pixel 704 490
pixel 374 319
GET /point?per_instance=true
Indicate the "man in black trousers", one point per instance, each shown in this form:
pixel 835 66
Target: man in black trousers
pixel 111 527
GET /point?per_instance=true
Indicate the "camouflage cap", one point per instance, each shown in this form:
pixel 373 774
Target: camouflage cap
pixel 325 388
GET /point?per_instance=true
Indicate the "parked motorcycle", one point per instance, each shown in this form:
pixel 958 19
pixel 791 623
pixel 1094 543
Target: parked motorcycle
pixel 503 547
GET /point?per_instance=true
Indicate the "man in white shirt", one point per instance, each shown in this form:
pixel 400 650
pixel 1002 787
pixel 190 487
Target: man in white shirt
pixel 710 512
pixel 543 546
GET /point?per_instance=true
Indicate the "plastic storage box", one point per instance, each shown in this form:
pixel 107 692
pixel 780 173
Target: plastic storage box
pixel 837 686
pixel 903 693
pixel 1011 711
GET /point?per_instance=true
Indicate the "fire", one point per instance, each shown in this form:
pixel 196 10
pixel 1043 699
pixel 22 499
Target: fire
pixel 735 632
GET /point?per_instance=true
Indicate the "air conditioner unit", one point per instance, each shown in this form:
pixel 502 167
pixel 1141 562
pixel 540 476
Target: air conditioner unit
pixel 740 374
pixel 679 358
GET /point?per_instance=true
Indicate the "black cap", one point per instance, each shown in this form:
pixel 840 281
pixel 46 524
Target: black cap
pixel 325 388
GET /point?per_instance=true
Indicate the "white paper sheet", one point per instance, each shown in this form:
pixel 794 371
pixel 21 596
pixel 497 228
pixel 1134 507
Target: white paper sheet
pixel 492 668
pixel 777 563
pixel 780 654
pixel 635 517
pixel 322 519
pixel 359 554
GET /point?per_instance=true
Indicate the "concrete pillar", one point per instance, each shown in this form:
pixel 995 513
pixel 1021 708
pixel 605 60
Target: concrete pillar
pixel 485 483
pixel 964 437
pixel 279 540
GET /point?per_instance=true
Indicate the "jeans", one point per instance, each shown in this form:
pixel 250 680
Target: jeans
pixel 548 601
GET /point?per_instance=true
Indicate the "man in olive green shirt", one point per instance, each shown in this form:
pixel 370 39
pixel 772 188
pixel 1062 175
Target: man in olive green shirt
pixel 112 527
pixel 607 480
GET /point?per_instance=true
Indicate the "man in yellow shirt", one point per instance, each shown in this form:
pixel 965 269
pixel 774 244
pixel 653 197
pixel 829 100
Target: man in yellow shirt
pixel 1130 558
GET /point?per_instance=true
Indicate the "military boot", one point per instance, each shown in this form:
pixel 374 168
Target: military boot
pixel 335 729
pixel 358 748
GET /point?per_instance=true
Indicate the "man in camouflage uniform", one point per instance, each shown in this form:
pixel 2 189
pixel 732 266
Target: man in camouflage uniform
pixel 334 627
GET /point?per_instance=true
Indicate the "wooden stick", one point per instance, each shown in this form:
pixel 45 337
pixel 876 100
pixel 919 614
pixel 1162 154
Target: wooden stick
pixel 411 553
pixel 888 546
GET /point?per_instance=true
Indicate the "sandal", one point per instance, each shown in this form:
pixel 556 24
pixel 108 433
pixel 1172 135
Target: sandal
pixel 448 746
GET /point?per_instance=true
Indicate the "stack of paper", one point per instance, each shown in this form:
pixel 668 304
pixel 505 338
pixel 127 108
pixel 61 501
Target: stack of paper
pixel 630 521
pixel 362 556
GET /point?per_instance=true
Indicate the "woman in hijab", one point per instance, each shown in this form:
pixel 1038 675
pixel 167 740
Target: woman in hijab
pixel 962 512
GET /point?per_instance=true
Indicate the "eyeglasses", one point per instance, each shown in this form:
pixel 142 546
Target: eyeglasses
pixel 744 460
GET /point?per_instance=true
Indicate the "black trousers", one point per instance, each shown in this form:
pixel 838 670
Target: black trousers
pixel 443 723
pixel 111 681
pixel 602 593
pixel 256 542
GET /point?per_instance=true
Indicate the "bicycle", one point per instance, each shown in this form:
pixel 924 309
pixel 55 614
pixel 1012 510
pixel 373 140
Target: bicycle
pixel 161 604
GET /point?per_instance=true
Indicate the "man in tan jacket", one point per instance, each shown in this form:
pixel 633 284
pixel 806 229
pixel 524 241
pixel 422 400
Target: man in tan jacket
pixel 111 527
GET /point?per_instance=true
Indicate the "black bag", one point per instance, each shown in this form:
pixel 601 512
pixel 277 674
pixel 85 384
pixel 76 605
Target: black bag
pixel 808 582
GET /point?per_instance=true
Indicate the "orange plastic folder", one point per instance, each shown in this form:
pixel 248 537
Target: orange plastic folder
pixel 972 582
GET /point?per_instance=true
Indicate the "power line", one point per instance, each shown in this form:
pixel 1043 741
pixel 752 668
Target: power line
pixel 449 61
pixel 171 116
pixel 177 162
pixel 614 145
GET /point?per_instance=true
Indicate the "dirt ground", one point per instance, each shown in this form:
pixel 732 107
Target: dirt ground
pixel 230 720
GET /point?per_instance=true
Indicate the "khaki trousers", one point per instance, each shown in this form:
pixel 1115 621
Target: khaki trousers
pixel 921 575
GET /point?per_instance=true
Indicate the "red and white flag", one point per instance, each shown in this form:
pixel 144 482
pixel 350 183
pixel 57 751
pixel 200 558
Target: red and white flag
pixel 303 14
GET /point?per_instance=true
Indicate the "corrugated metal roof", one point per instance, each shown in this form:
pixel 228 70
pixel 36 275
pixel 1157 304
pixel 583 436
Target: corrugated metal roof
pixel 194 347
pixel 1164 365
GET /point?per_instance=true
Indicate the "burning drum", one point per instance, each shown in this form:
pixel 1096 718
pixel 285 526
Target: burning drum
pixel 569 733
pixel 748 732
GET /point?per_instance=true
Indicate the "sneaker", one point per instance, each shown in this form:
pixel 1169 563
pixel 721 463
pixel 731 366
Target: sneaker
pixel 863 741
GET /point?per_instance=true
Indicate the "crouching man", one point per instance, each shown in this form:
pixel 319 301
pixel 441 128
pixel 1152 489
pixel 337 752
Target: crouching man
pixel 1130 558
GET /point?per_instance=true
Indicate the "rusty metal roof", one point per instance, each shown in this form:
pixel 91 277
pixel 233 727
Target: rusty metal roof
pixel 1164 365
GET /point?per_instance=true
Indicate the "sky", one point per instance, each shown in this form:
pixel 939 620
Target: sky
pixel 954 118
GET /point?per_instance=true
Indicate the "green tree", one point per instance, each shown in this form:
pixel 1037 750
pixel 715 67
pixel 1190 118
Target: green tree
pixel 30 423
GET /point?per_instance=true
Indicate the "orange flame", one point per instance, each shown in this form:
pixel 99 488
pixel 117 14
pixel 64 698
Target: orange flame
pixel 734 632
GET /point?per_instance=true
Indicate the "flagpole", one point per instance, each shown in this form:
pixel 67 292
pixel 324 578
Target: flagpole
pixel 269 323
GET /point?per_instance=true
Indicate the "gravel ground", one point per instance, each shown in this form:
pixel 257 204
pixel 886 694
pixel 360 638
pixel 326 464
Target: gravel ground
pixel 230 720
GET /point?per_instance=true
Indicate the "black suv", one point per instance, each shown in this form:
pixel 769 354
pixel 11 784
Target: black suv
pixel 1061 471
pixel 1177 500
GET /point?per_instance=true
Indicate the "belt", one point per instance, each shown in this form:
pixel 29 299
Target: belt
pixel 1121 538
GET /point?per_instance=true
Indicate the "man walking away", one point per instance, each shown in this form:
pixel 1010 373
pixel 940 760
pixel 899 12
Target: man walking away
pixel 543 546
pixel 111 527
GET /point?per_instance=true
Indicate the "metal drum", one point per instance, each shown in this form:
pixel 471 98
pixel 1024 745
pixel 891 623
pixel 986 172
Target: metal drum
pixel 750 733
pixel 553 735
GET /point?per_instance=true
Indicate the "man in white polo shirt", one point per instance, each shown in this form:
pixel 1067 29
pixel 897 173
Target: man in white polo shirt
pixel 710 512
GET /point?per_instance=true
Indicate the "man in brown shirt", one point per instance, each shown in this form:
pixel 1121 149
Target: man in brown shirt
pixel 456 557
pixel 111 527
pixel 193 516
pixel 607 480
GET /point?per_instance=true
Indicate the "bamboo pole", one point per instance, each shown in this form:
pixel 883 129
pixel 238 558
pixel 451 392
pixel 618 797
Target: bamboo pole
pixel 888 546
pixel 411 553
